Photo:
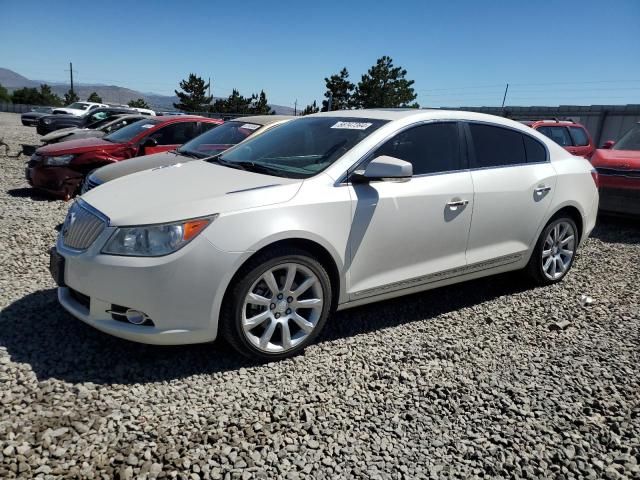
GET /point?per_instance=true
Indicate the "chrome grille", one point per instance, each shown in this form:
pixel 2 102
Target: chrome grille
pixel 81 227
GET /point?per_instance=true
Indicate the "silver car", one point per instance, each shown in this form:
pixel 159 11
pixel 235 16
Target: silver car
pixel 261 243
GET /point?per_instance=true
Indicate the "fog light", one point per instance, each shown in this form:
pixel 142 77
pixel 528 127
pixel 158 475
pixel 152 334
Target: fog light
pixel 136 317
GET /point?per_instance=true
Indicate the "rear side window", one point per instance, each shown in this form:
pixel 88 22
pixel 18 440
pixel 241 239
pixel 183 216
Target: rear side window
pixel 535 151
pixel 430 148
pixel 560 135
pixel 579 136
pixel 496 146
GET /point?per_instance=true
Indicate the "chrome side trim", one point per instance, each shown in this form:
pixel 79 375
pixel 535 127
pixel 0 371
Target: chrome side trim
pixel 438 276
pixel 253 188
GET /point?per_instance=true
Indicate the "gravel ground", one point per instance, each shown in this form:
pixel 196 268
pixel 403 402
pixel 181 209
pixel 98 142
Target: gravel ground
pixel 465 381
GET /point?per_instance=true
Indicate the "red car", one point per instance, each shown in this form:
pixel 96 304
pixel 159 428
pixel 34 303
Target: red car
pixel 59 169
pixel 618 167
pixel 571 135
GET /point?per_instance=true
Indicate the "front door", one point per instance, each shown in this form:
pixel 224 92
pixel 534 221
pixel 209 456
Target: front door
pixel 404 234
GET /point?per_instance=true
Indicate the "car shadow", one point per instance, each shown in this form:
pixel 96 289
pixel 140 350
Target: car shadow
pixel 37 331
pixel 31 193
pixel 617 229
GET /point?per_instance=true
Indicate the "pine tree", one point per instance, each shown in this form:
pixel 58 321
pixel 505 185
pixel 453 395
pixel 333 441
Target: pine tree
pixel 385 86
pixel 47 97
pixel 70 97
pixel 94 97
pixel 234 103
pixel 139 103
pixel 341 89
pixel 309 109
pixel 26 96
pixel 4 94
pixel 193 97
pixel 259 104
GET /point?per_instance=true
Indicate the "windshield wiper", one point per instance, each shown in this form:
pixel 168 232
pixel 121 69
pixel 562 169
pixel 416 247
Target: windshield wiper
pixel 187 153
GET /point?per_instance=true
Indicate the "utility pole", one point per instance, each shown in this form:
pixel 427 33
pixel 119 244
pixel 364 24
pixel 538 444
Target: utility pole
pixel 505 95
pixel 295 108
pixel 330 102
pixel 71 73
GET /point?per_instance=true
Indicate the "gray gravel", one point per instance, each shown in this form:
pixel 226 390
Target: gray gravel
pixel 466 381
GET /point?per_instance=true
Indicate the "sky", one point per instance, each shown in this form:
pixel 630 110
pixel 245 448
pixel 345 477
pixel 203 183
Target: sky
pixel 459 52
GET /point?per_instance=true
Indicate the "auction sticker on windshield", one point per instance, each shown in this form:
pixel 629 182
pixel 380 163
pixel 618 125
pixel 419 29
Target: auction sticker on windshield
pixel 250 126
pixel 352 125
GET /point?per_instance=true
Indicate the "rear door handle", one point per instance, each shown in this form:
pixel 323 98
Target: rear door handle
pixel 457 203
pixel 541 190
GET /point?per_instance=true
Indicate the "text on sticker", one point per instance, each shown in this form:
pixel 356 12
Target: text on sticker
pixel 352 125
pixel 250 126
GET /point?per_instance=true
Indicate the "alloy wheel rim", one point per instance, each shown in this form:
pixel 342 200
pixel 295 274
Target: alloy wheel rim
pixel 282 308
pixel 558 250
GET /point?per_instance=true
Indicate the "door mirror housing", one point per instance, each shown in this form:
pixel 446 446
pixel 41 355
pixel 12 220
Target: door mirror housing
pixel 384 168
pixel 608 145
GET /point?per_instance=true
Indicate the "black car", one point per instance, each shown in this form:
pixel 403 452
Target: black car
pixel 29 119
pixel 50 123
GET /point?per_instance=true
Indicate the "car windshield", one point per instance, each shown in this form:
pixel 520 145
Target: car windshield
pixel 300 148
pixel 630 140
pixel 219 139
pixel 100 123
pixel 129 132
pixel 78 106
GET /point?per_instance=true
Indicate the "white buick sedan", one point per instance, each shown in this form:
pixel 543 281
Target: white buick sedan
pixel 261 243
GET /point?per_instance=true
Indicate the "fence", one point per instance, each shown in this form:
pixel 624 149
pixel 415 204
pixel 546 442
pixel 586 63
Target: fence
pixel 604 122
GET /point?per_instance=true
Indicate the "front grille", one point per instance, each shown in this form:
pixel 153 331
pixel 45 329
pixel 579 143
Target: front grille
pixel 81 227
pixel 618 172
pixel 89 184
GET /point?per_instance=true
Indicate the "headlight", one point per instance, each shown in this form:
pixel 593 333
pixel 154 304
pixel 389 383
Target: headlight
pixel 57 161
pixel 155 240
pixel 47 121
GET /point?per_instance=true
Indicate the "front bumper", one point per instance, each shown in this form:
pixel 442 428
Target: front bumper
pixel 61 182
pixel 181 293
pixel 625 201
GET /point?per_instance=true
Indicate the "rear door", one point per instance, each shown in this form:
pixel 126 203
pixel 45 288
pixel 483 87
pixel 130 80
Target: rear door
pixel 513 186
pixel 171 137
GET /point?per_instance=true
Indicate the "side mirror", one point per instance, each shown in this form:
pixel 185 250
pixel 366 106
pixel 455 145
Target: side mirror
pixel 608 144
pixel 149 142
pixel 384 168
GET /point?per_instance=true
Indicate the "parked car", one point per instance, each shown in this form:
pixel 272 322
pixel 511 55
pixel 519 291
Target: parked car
pixel 618 167
pixel 328 211
pixel 96 129
pixel 51 123
pixel 570 135
pixel 60 168
pixel 30 118
pixel 210 143
pixel 145 111
pixel 79 108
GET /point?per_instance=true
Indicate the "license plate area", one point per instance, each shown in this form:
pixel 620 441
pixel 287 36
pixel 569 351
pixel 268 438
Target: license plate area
pixel 56 267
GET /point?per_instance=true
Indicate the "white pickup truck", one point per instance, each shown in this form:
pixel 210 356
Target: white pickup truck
pixel 79 108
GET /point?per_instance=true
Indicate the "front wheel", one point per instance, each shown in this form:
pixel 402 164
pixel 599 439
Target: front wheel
pixel 277 306
pixel 555 251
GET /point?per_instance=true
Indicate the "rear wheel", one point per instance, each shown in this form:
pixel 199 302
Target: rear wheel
pixel 555 251
pixel 277 306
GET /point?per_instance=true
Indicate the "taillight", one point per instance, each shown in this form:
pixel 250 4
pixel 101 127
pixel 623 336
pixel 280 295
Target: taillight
pixel 594 175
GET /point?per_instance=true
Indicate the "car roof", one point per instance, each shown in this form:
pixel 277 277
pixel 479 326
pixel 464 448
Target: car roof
pixel 262 119
pixel 182 118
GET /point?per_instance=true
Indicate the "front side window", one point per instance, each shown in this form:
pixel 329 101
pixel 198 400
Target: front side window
pixel 176 133
pixel 579 136
pixel 497 146
pixel 300 148
pixel 97 116
pixel 430 148
pixel 630 140
pixel 129 132
pixel 560 135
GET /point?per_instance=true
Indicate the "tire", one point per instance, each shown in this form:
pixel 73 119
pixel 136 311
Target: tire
pixel 247 320
pixel 548 263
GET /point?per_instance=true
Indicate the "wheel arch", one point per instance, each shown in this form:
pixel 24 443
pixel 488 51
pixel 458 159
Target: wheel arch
pixel 573 212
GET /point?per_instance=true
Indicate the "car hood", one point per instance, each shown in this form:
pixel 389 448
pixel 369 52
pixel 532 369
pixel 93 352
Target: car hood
pixel 77 146
pixel 190 190
pixel 71 112
pixel 616 158
pixel 137 164
pixel 63 132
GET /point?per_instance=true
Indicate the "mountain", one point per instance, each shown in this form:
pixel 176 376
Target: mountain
pixel 109 93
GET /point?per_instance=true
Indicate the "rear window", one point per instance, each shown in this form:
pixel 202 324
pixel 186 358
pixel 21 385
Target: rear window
pixel 129 132
pixel 579 136
pixel 630 140
pixel 560 135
